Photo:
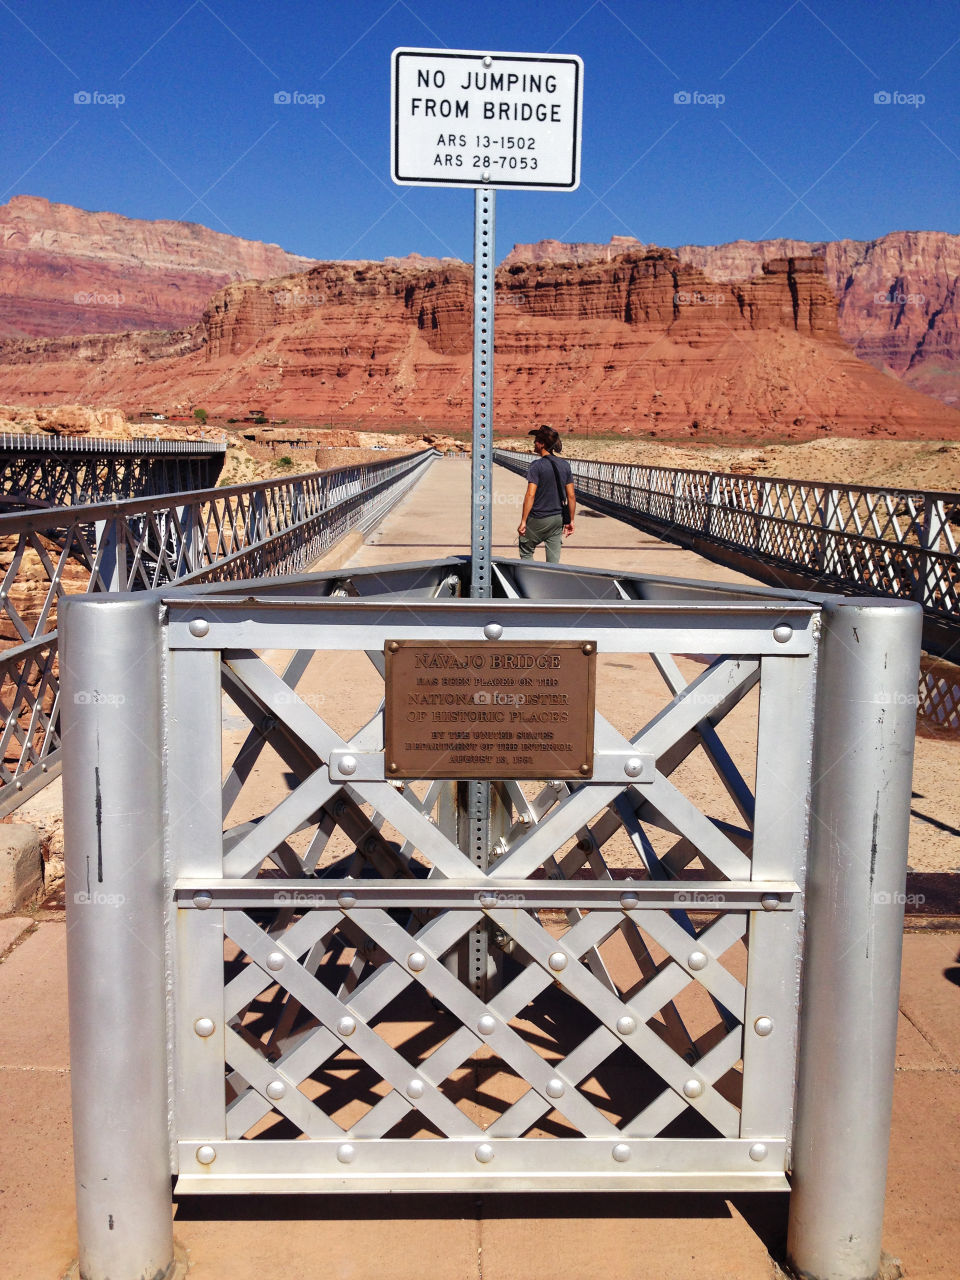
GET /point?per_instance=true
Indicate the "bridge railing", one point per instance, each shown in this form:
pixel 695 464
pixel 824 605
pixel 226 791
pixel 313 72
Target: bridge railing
pixel 102 444
pixel 241 531
pixel 884 542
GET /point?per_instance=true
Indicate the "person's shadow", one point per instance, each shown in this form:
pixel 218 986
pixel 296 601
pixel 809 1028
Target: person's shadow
pixel 953 973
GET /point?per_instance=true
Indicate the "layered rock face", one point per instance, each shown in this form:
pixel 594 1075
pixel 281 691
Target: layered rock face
pixel 66 271
pixel 898 297
pixel 640 343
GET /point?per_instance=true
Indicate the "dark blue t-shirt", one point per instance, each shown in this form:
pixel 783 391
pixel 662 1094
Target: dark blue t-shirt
pixel 541 473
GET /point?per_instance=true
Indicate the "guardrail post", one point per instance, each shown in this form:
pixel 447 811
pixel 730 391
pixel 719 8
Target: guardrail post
pixel 863 757
pixel 112 544
pixel 113 820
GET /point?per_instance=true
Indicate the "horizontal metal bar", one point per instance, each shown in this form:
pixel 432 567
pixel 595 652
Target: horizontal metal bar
pixel 608 766
pixel 604 895
pixel 94 444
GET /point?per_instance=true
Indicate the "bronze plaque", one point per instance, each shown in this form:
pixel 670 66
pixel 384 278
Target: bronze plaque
pixel 489 709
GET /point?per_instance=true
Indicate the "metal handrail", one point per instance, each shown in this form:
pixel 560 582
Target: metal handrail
pixel 99 444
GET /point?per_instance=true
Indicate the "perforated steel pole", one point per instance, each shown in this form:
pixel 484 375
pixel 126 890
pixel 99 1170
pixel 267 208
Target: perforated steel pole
pixel 484 231
pixel 866 723
pixel 113 827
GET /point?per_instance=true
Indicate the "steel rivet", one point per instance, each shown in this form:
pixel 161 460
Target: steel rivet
pixel 697 960
pixel 758 1151
pixel 626 1025
pixel 485 175
pixel 415 1089
pixel 204 1027
pixel 629 901
pixel 393 646
pixel 487 1024
pixel 202 901
pixel 276 960
pixel 763 1026
pixel 621 1152
pixel 557 961
pixel 484 1153
pixel 525 820
pixel 206 1155
pixel 199 627
pixel 488 899
pixel 770 901
pixel 693 1088
pixel 783 633
pixel 488 62
pixel 555 1088
pixel 346 1153
pixel 585 769
pixel 346 1026
pixel 346 900
pixel 276 1089
pixel 416 961
pixel 392 767
pixel 348 764
pixel 493 630
pixel 634 767
pixel 588 648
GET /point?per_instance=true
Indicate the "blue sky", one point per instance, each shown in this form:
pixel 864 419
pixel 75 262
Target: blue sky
pixel 798 147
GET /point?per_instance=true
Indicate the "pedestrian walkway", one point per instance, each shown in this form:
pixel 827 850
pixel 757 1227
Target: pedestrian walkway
pixel 522 1237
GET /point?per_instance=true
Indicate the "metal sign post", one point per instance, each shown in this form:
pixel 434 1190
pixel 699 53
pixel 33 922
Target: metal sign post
pixel 481 532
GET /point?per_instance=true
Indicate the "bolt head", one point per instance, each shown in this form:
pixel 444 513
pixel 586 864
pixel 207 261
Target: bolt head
pixel 770 901
pixel 493 630
pixel 348 764
pixel 198 627
pixel 629 901
pixel 346 900
pixel 633 767
pixel 588 648
pixel 415 1089
pixel 697 960
pixel 484 1153
pixel 206 1155
pixel 275 961
pixel 782 633
pixel 555 1088
pixel 392 767
pixel 202 901
pixel 488 61
pixel 346 1025
pixel 392 646
pixel 487 1024
pixel 621 1152
pixel 758 1151
pixel 276 1089
pixel 416 961
pixel 626 1025
pixel 693 1088
pixel 763 1026
pixel 557 961
pixel 346 1153
pixel 585 769
pixel 204 1027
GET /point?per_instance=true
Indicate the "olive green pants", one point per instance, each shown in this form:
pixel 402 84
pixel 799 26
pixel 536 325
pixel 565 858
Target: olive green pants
pixel 545 529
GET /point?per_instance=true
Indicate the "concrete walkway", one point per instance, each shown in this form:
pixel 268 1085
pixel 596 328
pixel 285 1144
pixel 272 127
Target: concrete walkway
pixel 652 1237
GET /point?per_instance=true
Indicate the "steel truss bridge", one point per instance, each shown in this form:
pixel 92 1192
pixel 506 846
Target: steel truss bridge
pixel 50 471
pixel 242 531
pixel 899 543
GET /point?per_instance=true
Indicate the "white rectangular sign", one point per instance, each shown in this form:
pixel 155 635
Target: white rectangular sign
pixel 485 119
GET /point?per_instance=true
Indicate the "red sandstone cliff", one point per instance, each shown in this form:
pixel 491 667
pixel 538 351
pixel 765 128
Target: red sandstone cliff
pixel 66 271
pixel 898 296
pixel 642 343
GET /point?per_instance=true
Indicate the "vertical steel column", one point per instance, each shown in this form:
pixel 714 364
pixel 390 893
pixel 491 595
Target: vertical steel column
pixel 481 532
pixel 110 663
pixel 863 757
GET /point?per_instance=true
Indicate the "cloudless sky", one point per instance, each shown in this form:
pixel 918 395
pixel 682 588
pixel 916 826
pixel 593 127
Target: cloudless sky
pixel 798 148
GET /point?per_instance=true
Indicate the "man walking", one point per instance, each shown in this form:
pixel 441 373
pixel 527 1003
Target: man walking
pixel 549 503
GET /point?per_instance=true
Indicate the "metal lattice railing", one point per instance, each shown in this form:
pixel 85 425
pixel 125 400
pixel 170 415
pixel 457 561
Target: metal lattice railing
pixel 273 527
pixel 102 444
pixel 886 542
